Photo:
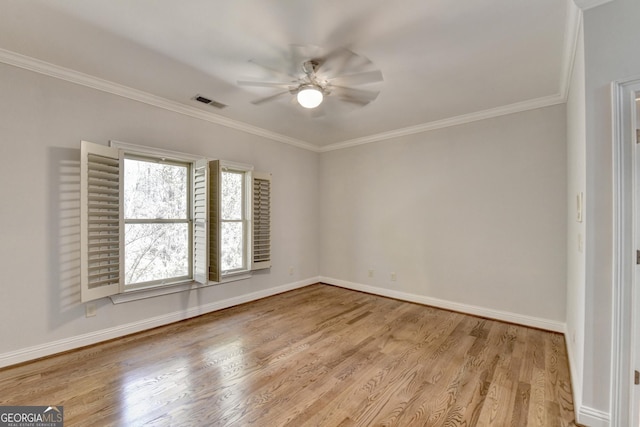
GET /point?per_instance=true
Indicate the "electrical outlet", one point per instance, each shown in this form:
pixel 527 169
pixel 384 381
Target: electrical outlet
pixel 393 277
pixel 90 309
pixel 370 273
pixel 290 271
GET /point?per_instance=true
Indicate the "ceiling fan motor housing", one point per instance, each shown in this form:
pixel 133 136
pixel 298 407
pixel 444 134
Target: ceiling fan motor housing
pixel 310 66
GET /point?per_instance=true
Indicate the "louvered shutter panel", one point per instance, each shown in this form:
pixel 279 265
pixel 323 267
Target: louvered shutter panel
pixel 261 219
pixel 214 221
pixel 200 222
pixel 102 222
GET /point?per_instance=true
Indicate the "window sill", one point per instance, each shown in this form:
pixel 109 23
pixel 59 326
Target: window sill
pixel 138 294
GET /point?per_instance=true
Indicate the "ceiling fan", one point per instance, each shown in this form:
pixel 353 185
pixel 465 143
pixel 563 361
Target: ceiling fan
pixel 312 78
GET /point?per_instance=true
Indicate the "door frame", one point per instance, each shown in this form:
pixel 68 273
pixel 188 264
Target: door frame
pixel 624 343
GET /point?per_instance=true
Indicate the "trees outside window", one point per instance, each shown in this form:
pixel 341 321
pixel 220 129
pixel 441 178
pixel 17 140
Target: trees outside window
pixel 157 222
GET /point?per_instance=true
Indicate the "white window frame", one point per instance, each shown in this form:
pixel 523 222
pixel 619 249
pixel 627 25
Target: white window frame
pixel 119 294
pixel 189 220
pixel 245 170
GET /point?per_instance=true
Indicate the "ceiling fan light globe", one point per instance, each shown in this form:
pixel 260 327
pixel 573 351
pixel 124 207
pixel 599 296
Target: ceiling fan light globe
pixel 310 97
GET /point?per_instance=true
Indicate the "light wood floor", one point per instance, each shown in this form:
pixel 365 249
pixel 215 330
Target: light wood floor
pixel 317 356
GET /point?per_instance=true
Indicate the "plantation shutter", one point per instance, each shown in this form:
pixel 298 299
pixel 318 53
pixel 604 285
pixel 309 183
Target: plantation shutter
pixel 101 221
pixel 214 220
pixel 261 218
pixel 200 222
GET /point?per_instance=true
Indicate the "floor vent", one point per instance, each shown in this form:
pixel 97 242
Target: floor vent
pixel 208 101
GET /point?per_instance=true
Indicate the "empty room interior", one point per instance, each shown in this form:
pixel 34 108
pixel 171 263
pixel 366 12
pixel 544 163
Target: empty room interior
pixel 325 213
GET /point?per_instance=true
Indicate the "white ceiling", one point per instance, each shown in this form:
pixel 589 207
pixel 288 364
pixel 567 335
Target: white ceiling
pixel 443 61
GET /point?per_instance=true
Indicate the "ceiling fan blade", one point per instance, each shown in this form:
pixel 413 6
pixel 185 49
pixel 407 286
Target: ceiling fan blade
pixel 360 102
pixel 358 78
pixel 264 84
pixel 357 96
pixel 335 62
pixel 273 69
pixel 269 98
pixel 298 54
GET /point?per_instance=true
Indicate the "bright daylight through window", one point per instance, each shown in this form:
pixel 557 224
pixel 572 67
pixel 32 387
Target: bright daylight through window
pixel 233 221
pixel 157 223
pixel 153 218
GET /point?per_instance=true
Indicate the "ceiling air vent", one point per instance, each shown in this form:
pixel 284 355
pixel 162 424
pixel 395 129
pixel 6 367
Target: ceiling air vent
pixel 208 101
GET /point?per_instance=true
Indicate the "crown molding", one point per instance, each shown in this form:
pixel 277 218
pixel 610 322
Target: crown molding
pixel 66 74
pixel 589 4
pixel 62 73
pixel 452 121
pixel 573 24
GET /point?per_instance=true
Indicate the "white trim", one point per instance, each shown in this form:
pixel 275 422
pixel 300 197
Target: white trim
pixel 48 349
pixel 585 415
pixel 576 391
pixel 622 99
pixel 156 291
pixel 153 152
pixel 588 4
pixel 571 33
pixel 518 107
pixel 235 166
pixel 42 67
pixel 69 75
pixel 592 417
pixel 505 316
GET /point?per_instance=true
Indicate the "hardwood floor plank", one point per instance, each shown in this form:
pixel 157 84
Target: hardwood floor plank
pixel 316 356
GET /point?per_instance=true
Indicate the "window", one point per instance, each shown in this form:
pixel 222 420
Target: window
pixel 152 218
pixel 233 221
pixel 157 218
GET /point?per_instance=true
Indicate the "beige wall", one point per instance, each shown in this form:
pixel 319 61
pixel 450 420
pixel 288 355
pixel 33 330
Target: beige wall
pixel 473 214
pixel 611 34
pixel 42 123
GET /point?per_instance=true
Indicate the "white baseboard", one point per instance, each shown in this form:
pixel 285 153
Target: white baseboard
pixel 576 387
pixel 48 349
pixel 505 316
pixel 592 417
pixel 585 415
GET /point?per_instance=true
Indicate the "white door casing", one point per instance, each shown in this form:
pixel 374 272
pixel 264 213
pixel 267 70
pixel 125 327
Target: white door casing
pixel 625 406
